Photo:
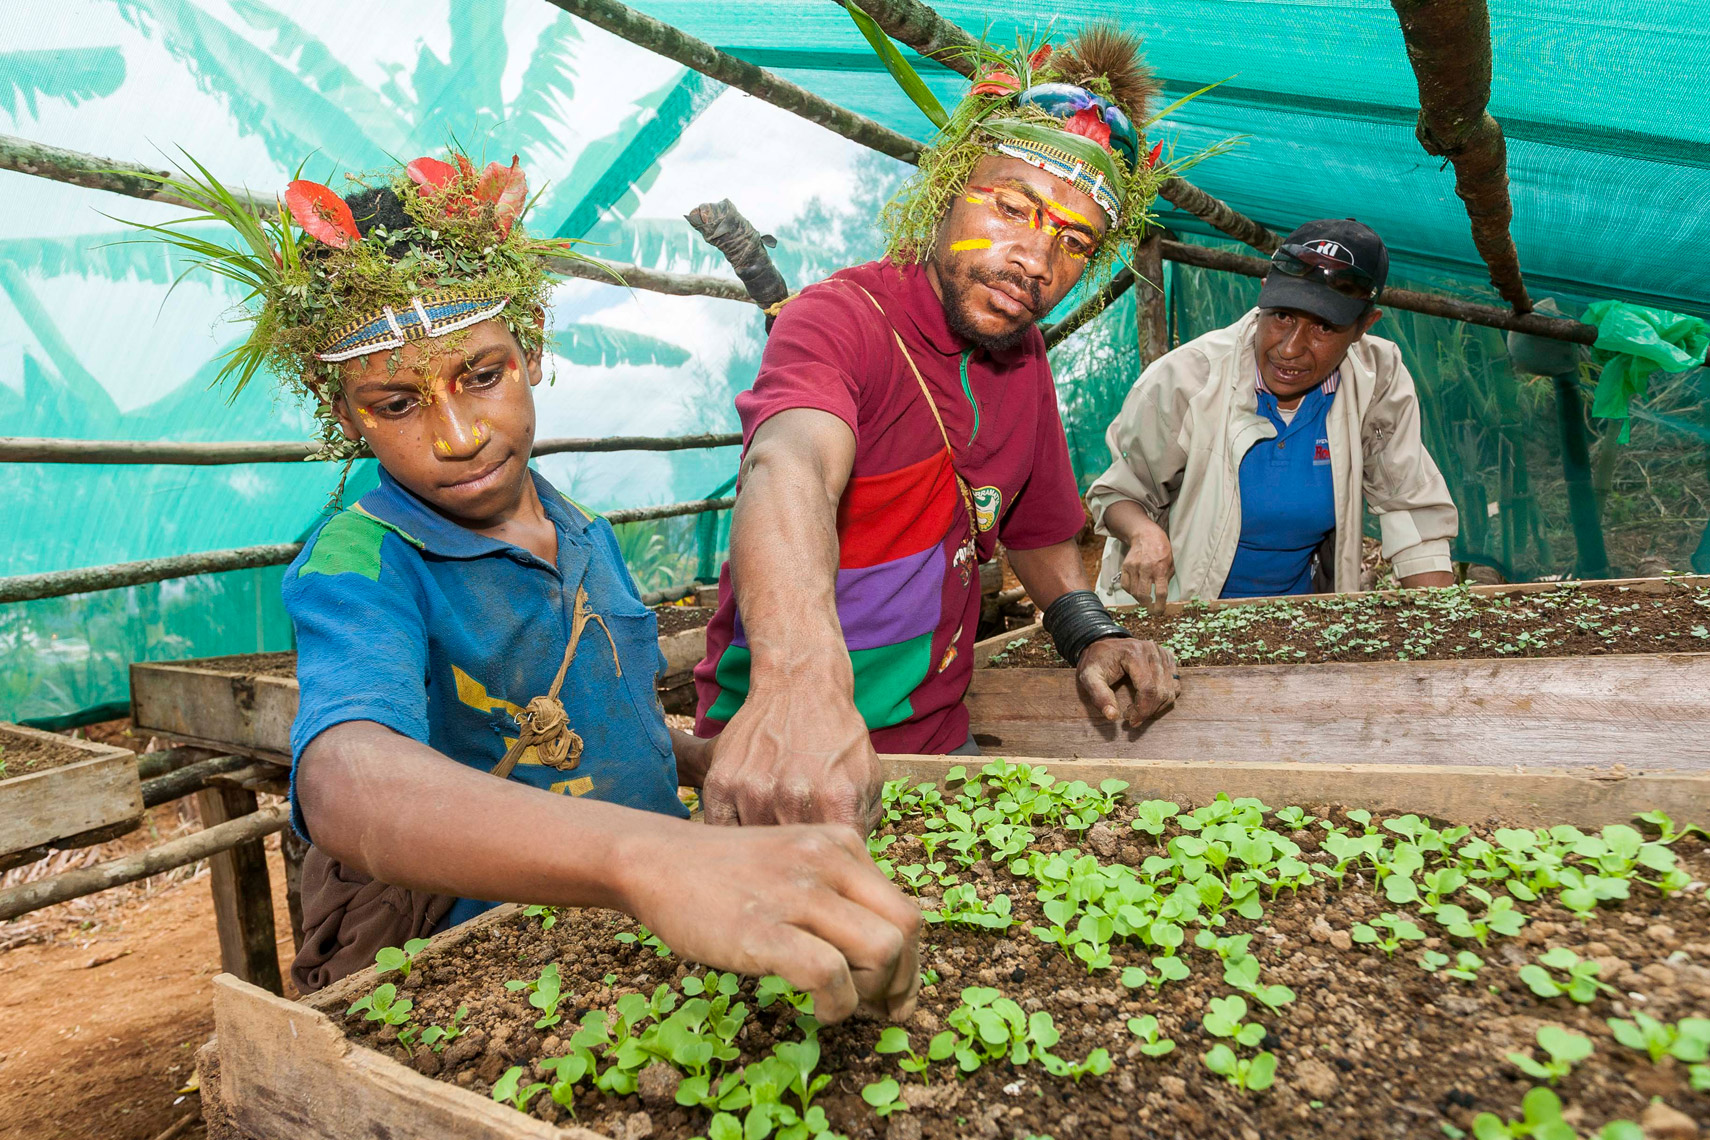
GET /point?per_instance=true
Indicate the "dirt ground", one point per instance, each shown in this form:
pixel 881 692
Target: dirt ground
pixel 106 999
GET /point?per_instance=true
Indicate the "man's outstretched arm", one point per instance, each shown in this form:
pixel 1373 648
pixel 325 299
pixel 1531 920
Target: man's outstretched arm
pixel 802 902
pixel 796 751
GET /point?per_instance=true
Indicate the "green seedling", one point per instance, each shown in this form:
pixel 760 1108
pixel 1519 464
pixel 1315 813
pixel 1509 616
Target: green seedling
pixel 895 1040
pixel 1146 1028
pixel 548 915
pixel 1151 816
pixel 1565 1049
pixel 1253 1075
pixel 1499 917
pixel 437 1037
pixel 1223 1019
pixel 383 1005
pixel 1686 1040
pixel 391 958
pixel 1541 1119
pixel 885 1097
pixel 1294 818
pixel 1387 932
pixel 1242 973
pixel 772 989
pixel 645 938
pixel 508 1089
pixel 1698 1076
pixel 1667 832
pixel 962 906
pixel 544 994
pixel 1581 984
pixel 713 985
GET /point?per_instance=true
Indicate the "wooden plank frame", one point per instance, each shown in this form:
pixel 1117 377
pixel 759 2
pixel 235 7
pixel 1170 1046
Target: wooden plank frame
pixel 73 805
pixel 287 1071
pixel 250 713
pixel 1623 713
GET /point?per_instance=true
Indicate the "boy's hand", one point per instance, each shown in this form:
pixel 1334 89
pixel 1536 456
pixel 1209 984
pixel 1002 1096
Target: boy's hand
pixel 805 903
pixel 794 755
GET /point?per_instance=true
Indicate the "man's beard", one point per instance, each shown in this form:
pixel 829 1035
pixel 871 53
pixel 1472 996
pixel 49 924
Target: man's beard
pixel 958 288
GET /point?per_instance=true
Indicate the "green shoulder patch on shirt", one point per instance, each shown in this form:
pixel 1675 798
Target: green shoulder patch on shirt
pixel 350 544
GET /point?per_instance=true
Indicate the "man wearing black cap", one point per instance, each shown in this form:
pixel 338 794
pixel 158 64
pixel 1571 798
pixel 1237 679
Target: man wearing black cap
pixel 1243 461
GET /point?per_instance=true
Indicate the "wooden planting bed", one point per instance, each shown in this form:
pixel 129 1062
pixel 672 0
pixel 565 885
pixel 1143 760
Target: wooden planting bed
pixel 246 704
pixel 60 792
pixel 1365 1043
pixel 1612 711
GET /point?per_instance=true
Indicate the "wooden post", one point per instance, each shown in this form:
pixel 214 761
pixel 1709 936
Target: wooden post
pixel 292 848
pixel 243 894
pixel 1149 311
pixel 1448 44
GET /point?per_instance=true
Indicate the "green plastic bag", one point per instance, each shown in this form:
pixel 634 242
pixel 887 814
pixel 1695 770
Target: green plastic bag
pixel 1633 342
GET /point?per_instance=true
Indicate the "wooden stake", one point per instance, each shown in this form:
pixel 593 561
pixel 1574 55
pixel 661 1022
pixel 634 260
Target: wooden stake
pixel 243 894
pixel 1150 315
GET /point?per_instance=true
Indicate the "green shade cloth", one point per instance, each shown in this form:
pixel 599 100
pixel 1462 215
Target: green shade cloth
pixel 1632 343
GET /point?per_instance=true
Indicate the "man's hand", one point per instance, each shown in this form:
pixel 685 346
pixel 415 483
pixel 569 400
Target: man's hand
pixel 805 903
pixel 1150 667
pixel 1149 564
pixel 794 755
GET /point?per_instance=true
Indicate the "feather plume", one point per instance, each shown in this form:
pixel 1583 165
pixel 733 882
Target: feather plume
pixel 1106 59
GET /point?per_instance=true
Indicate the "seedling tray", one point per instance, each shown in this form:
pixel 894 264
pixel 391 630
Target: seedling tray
pixel 1607 711
pixel 60 792
pixel 1364 1043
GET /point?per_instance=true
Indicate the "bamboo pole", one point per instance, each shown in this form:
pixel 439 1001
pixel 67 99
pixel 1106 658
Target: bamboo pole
pixel 136 180
pixel 917 25
pixel 662 39
pixel 24 449
pixel 59 583
pixel 174 853
pixel 1448 44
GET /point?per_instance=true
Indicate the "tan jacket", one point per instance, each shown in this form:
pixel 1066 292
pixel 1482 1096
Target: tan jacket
pixel 1176 449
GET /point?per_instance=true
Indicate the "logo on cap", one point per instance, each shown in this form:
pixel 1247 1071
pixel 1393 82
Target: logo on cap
pixel 1332 250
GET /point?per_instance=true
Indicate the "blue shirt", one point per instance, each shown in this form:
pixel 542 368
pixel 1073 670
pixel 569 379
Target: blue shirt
pixel 1288 501
pixel 442 635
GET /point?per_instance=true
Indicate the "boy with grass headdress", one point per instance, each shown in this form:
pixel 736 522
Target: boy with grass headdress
pixel 903 422
pixel 465 620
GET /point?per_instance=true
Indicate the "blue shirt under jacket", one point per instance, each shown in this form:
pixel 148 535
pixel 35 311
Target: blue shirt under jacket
pixel 443 635
pixel 1288 500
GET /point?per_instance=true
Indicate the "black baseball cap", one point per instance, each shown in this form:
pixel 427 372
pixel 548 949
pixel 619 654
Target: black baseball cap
pixel 1331 243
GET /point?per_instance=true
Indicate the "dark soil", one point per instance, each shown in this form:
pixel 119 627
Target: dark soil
pixel 675 619
pixel 1568 621
pixel 1372 1046
pixel 253 664
pixel 21 755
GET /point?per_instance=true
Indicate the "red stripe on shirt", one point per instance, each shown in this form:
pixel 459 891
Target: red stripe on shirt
pixel 898 513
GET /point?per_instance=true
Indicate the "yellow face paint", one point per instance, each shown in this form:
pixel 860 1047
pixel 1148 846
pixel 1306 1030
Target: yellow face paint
pixel 366 417
pixel 970 243
pixel 1065 212
pixel 480 427
pixel 442 447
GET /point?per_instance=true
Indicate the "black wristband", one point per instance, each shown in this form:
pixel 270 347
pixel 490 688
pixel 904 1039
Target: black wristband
pixel 1076 620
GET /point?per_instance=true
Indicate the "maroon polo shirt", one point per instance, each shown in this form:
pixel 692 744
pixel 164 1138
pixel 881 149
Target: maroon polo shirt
pixel 908 595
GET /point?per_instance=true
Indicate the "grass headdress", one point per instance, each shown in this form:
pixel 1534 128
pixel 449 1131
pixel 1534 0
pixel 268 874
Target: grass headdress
pixel 415 256
pixel 1079 112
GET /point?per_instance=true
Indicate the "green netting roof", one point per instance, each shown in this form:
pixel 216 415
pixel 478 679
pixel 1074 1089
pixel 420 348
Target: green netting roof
pixel 1603 104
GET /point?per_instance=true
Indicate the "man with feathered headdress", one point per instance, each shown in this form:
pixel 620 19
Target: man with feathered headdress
pixel 903 423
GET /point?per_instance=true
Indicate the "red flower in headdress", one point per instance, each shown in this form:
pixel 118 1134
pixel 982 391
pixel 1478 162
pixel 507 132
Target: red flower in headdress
pixel 321 213
pixel 1087 121
pixel 995 82
pixel 505 188
pixel 1038 58
pixel 1152 159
